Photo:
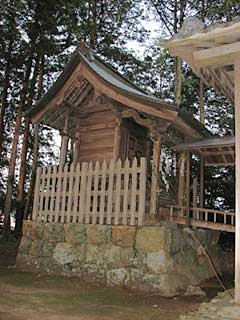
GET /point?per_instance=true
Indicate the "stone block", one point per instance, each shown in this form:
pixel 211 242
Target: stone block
pixel 25 245
pixel 123 236
pixel 165 285
pixel 64 253
pixel 36 248
pixel 118 257
pixel 159 262
pixel 150 239
pixel 33 230
pixel 95 254
pixel 47 249
pixel 119 277
pixel 75 233
pixel 53 232
pixel 98 234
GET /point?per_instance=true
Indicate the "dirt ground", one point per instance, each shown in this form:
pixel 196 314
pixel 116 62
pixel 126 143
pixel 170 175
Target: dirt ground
pixel 26 296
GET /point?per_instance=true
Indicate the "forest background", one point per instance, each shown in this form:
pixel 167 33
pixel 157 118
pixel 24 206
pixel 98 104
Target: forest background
pixel 36 41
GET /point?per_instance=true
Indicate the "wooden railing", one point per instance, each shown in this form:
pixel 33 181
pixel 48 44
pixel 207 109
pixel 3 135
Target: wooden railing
pixel 107 193
pixel 203 217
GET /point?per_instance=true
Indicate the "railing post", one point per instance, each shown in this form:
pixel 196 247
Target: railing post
pixel 36 194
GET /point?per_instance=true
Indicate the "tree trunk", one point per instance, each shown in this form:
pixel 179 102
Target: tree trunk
pixel 93 24
pixel 178 80
pixel 22 176
pixel 12 162
pixel 29 199
pixel 4 95
pixel 178 62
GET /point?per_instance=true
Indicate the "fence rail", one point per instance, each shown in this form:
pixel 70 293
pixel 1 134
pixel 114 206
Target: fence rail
pixel 205 218
pixel 107 193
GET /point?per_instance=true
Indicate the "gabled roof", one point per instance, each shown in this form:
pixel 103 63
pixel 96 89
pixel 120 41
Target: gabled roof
pixel 111 78
pixel 107 80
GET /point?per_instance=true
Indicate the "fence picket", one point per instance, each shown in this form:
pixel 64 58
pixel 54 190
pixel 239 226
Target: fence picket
pixel 52 194
pixel 133 193
pixel 47 195
pixel 110 192
pixel 142 190
pixel 89 193
pixel 103 192
pixel 118 192
pixel 70 193
pixel 36 194
pixel 42 186
pixel 75 193
pixel 63 193
pixel 95 193
pixel 58 193
pixel 126 192
pixel 83 193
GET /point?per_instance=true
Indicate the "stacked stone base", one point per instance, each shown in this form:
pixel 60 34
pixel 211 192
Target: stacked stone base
pixel 159 259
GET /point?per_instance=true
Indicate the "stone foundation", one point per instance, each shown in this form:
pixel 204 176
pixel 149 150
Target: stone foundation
pixel 158 259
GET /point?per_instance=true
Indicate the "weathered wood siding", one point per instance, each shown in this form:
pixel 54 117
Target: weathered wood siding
pixel 97 137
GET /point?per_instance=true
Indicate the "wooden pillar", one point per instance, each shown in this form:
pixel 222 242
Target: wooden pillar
pixel 201 99
pixel 188 165
pixel 202 166
pixel 195 182
pixel 117 142
pixel 155 175
pixel 64 142
pixel 76 150
pixel 181 179
pixel 237 152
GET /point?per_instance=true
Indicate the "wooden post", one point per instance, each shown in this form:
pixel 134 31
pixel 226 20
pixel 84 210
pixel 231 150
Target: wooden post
pixel 188 165
pixel 201 98
pixel 181 179
pixel 155 173
pixel 64 142
pixel 76 150
pixel 117 141
pixel 202 165
pixel 237 152
pixel 195 192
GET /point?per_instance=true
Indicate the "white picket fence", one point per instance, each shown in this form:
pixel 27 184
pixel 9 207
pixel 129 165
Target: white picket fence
pixel 107 193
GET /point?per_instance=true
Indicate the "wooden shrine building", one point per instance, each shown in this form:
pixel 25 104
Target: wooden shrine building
pixel 107 118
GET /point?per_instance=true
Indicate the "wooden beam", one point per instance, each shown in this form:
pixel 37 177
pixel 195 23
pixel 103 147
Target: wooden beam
pixel 130 113
pixel 155 175
pixel 237 151
pixel 220 55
